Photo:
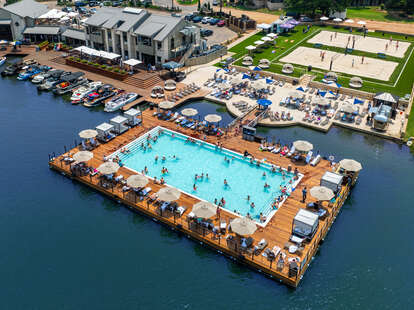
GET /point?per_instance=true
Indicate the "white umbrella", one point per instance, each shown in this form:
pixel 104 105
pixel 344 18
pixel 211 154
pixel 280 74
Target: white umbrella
pixel 212 118
pixel 166 105
pixel 321 101
pixel 243 226
pixel 137 180
pixel 204 209
pixel 258 42
pixel 350 165
pixel 324 18
pixel 302 146
pixel 272 35
pixel 236 80
pixel 349 21
pixel 295 94
pixel 259 85
pixel 189 112
pixel 337 20
pixel 321 193
pixel 82 156
pixel 361 22
pixel 108 167
pixel 348 108
pixel 168 194
pixel 88 134
pixel 250 48
pixel 266 39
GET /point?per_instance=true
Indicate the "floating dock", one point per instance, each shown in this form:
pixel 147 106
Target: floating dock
pixel 277 232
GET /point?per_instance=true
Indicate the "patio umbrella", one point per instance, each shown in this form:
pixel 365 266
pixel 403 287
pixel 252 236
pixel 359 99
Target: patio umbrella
pixel 348 108
pixel 264 102
pixel 295 94
pixel 337 20
pixel 168 194
pixel 166 105
pixel 266 39
pixel 258 42
pixel 189 112
pixel 321 193
pixel 108 167
pixel 88 134
pixel 82 156
pixel 3 42
pixel 212 118
pixel 250 48
pixel 237 80
pixel 361 22
pixel 171 65
pixel 204 209
pixel 324 18
pixel 303 146
pixel 259 85
pixel 350 165
pixel 349 21
pixel 272 35
pixel 243 226
pixel 137 180
pixel 321 101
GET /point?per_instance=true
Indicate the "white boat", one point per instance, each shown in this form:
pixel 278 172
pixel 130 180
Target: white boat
pixel 39 78
pixel 83 91
pixel 2 60
pixel 119 101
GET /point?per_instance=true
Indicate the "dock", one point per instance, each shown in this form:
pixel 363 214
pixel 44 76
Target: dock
pixel 277 232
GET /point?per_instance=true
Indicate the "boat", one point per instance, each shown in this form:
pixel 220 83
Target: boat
pixel 96 98
pixel 39 78
pixel 69 82
pixel 11 70
pixel 2 60
pixel 26 74
pixel 54 79
pixel 83 91
pixel 119 101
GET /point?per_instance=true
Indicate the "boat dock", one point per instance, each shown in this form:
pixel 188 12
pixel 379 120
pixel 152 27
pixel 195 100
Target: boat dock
pixel 277 232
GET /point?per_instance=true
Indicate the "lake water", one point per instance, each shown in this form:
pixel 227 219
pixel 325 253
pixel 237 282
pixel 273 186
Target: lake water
pixel 64 246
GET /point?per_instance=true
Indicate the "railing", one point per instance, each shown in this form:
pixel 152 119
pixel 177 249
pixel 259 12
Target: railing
pixel 254 122
pixel 187 54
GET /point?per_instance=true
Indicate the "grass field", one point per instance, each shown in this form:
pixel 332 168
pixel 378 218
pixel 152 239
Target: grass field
pixel 375 13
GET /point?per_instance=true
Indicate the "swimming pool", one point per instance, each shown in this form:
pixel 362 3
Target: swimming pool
pixel 243 177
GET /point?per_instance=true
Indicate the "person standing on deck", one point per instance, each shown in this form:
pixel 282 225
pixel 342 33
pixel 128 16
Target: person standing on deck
pixel 304 193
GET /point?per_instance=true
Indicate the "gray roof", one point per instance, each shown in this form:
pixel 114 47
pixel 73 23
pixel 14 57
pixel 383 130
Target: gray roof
pixel 27 8
pixel 42 30
pixel 116 18
pixel 74 34
pixel 101 16
pixel 162 23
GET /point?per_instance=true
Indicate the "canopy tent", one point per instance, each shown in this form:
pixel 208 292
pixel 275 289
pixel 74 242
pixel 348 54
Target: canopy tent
pixel 92 52
pixel 305 223
pixel 386 97
pixel 53 14
pixel 171 65
pixel 132 62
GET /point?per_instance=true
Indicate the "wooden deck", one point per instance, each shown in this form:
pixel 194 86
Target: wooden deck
pixel 277 232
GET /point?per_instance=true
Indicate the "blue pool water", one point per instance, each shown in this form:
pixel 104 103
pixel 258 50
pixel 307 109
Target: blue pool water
pixel 243 178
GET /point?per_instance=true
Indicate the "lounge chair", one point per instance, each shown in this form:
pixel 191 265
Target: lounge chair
pixel 260 246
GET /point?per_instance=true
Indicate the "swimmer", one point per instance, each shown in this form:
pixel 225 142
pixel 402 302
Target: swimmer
pixel 146 169
pixel 149 146
pixel 264 174
pixel 172 135
pixel 202 176
pixel 196 177
pixel 225 183
pixel 156 158
pixel 163 159
pixel 162 181
pixel 206 176
pixel 252 205
pixel 194 187
pixel 266 185
pixel 248 198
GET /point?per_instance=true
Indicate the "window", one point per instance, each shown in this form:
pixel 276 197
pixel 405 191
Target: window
pixel 124 36
pixel 172 43
pixel 109 35
pixel 145 41
pixel 158 59
pixel 159 45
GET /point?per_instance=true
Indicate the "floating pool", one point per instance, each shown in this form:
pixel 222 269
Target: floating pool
pixel 191 158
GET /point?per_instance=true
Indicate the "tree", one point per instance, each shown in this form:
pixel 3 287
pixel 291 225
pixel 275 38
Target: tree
pixel 199 5
pixel 311 6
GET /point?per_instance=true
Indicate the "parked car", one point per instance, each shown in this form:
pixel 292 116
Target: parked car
pixel 175 15
pixel 80 3
pixel 93 3
pixel 205 32
pixel 205 20
pixel 221 23
pixel 189 17
pixel 216 2
pixel 214 21
pixel 305 19
pixel 197 19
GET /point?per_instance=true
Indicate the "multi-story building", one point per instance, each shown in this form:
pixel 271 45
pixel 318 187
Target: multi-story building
pixel 137 33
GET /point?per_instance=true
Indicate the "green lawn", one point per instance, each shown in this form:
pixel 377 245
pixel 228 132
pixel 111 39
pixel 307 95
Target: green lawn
pixel 187 2
pixel 375 13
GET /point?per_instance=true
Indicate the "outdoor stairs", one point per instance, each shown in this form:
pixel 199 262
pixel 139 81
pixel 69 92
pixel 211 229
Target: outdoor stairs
pixel 143 80
pixel 59 60
pixel 187 54
pixel 305 80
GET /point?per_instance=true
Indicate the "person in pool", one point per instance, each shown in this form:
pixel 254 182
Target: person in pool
pixel 252 205
pixel 266 185
pixel 226 184
pixel 156 158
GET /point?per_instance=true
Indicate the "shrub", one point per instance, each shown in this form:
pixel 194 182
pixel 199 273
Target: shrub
pixel 122 72
pixel 109 68
pixel 103 66
pixel 116 70
pixel 77 59
pixel 84 61
pixel 96 65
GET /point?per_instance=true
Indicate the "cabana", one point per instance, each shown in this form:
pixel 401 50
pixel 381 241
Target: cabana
pixel 247 61
pixel 105 132
pixel 120 124
pixel 170 85
pixel 388 99
pixel 330 77
pixel 382 118
pixel 133 117
pixel 132 63
pixel 332 181
pixel 157 92
pixel 264 27
pixel 264 63
pixel 287 68
pixel 305 224
pixel 355 82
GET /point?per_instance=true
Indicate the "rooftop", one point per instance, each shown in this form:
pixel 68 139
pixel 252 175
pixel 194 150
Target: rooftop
pixel 27 8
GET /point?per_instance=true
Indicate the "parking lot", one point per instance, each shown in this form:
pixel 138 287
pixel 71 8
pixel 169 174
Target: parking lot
pixel 220 34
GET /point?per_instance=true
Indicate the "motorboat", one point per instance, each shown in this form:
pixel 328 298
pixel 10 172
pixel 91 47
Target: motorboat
pixel 96 98
pixel 83 91
pixel 10 70
pixel 119 101
pixel 2 60
pixel 54 79
pixel 26 74
pixel 69 82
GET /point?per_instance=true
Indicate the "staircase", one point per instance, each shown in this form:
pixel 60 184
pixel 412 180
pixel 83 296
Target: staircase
pixel 143 80
pixel 305 79
pixel 187 54
pixel 59 60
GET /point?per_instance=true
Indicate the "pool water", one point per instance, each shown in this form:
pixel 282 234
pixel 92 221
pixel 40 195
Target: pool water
pixel 243 178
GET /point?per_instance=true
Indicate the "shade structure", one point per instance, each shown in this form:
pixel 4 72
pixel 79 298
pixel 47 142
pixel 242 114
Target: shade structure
pixel 361 22
pixel 295 94
pixel 258 42
pixel 258 85
pixel 237 80
pixel 348 108
pixel 303 146
pixel 82 156
pixel 321 193
pixel 337 20
pixel 166 105
pixel 88 134
pixel 264 102
pixel 137 180
pixel 350 165
pixel 204 209
pixel 212 118
pixel 189 112
pixel 324 18
pixel 266 39
pixel 243 226
pixel 272 35
pixel 108 167
pixel 250 48
pixel 168 194
pixel 321 101
pixel 349 21
pixel 287 68
pixel 132 62
pixel 171 65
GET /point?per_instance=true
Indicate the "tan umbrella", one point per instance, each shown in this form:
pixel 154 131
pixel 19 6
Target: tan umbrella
pixel 166 105
pixel 272 35
pixel 243 226
pixel 259 85
pixel 204 209
pixel 321 101
pixel 348 108
pixel 82 156
pixel 108 167
pixel 189 112
pixel 137 180
pixel 350 165
pixel 236 80
pixel 258 42
pixel 302 146
pixel 168 194
pixel 250 48
pixel 266 39
pixel 295 94
pixel 321 193
pixel 88 134
pixel 212 118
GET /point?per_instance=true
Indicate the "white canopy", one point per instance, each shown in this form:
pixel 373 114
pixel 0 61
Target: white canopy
pixel 385 97
pixel 264 26
pixel 73 14
pixel 53 14
pixel 323 18
pixel 93 52
pixel 306 217
pixel 132 62
pixel 337 20
pixel 250 47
